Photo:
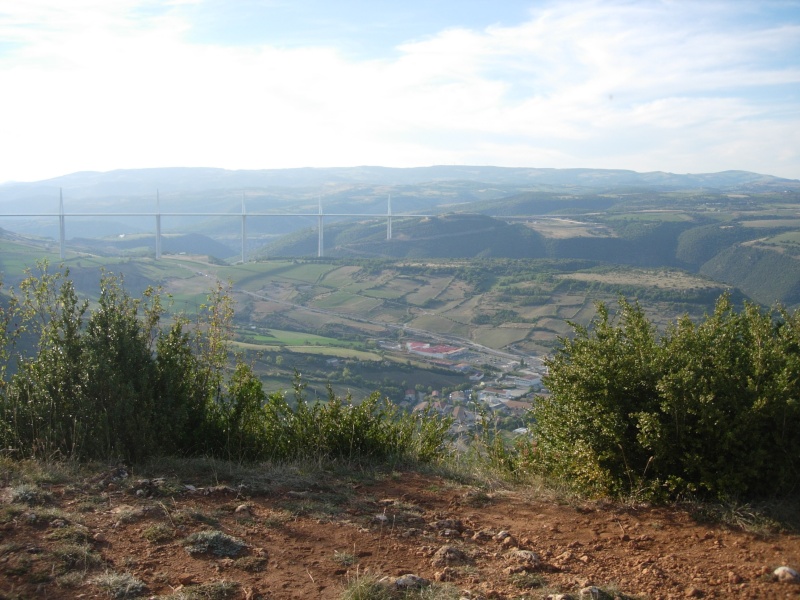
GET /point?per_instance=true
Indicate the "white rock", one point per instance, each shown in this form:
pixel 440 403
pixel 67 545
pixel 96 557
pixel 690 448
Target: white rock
pixel 525 557
pixel 787 574
pixel 449 555
pixel 593 593
pixel 410 581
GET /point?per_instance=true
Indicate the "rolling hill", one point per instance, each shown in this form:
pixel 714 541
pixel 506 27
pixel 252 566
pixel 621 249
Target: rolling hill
pixel 709 224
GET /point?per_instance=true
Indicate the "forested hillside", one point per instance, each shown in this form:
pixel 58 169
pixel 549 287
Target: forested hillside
pixel 768 276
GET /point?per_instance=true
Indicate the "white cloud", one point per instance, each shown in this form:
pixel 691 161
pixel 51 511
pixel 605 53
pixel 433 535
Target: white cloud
pixel 635 85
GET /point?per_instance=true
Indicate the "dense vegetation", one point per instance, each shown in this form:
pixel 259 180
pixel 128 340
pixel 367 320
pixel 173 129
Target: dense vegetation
pixel 710 409
pixel 114 381
pixel 768 276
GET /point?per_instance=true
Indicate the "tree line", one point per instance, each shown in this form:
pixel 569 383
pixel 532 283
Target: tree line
pixel 124 379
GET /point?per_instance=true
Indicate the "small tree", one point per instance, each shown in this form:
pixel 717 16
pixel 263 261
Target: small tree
pixel 44 406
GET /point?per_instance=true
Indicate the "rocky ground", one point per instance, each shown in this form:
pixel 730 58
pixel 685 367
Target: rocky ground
pixel 296 535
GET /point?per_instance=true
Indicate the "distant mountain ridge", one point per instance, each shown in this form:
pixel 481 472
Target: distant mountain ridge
pixel 88 184
pixel 740 228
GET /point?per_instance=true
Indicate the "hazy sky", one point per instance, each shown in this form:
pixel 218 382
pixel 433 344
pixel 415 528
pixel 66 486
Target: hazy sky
pixel 681 86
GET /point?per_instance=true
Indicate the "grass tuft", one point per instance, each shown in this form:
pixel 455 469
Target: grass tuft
pixel 158 533
pixel 765 518
pixel 76 556
pixel 71 579
pixel 31 495
pixel 70 533
pixel 119 585
pixel 213 542
pixel 528 581
pixel 251 564
pixel 369 587
pixel 220 590
pixel 366 587
pixel 344 559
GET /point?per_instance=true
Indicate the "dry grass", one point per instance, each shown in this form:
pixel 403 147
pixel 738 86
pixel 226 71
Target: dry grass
pixel 119 585
pixel 661 279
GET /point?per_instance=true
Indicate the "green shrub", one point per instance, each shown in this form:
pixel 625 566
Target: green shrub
pixel 340 429
pixel 709 409
pixel 113 383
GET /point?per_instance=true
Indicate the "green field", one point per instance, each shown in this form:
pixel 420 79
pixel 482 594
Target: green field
pixel 346 302
pixel 341 276
pixel 788 238
pixel 645 278
pixel 500 337
pixel 15 258
pixel 290 338
pixel 336 352
pixel 770 223
pixel 383 293
pixel 659 216
pixel 434 286
pixel 354 304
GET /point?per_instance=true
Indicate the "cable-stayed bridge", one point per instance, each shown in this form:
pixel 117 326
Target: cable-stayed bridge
pixel 244 215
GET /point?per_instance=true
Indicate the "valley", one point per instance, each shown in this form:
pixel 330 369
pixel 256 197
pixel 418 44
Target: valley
pixel 505 265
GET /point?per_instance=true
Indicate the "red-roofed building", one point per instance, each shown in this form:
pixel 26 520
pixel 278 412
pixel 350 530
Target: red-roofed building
pixel 435 351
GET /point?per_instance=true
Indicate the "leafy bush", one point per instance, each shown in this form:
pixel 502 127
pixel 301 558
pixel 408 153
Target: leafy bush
pixel 112 383
pixel 710 409
pixel 338 428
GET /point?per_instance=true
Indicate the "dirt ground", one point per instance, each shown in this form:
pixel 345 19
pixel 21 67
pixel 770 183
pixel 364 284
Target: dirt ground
pixel 309 535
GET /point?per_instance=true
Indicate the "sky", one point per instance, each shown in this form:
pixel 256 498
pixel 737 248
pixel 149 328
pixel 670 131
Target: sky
pixel 683 86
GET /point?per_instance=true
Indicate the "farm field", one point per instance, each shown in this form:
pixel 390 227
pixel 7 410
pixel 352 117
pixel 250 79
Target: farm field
pixel 442 297
pixel 561 228
pixel 677 280
pixel 337 308
pixel 442 304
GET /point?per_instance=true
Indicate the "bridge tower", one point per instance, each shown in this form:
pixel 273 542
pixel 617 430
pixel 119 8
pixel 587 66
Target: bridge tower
pixel 158 226
pixel 319 231
pixel 61 222
pixel 389 220
pixel 244 232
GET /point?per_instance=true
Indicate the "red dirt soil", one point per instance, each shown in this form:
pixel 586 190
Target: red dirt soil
pixel 309 540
